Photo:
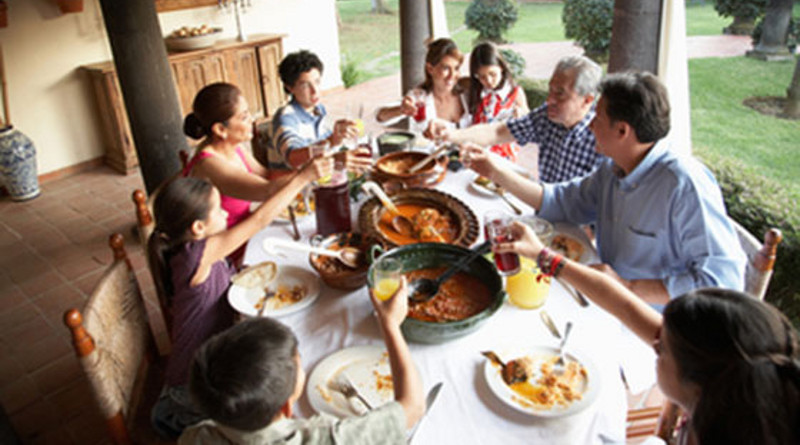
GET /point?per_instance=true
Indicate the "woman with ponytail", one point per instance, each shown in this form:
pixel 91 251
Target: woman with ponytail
pixel 730 361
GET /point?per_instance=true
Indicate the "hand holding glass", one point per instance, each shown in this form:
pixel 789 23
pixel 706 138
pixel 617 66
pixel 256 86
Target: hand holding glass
pixel 497 230
pixel 386 278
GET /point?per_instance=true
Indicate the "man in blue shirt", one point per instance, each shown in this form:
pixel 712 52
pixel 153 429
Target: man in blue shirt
pixel 662 229
pixel 302 121
pixel 560 126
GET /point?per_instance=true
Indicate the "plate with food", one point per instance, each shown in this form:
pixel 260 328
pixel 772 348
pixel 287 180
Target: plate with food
pixel 303 208
pixel 537 388
pixel 484 186
pixel 366 368
pixel 290 289
pixel 572 242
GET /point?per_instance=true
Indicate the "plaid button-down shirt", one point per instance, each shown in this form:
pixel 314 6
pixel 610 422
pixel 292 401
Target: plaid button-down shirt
pixel 564 153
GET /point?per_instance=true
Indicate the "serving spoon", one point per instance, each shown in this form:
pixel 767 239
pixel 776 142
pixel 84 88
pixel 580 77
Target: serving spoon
pixel 424 289
pixel 348 255
pixel 400 223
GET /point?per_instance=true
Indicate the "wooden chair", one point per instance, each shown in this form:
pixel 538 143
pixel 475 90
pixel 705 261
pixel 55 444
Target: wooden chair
pixel 662 420
pixel 262 132
pixel 145 225
pixel 760 258
pixel 116 349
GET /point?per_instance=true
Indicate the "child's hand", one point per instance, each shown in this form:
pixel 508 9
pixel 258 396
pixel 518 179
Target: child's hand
pixel 525 243
pixel 393 311
pixel 317 168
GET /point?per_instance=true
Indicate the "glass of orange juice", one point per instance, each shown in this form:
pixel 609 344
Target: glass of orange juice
pixel 529 288
pixel 386 278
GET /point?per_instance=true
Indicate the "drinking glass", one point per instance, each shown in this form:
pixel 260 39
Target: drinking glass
pixel 386 278
pixel 418 96
pixel 320 148
pixel 497 229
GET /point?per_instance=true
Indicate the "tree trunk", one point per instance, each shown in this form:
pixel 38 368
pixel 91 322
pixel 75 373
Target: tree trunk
pixel 772 44
pixel 635 36
pixel 380 7
pixel 792 108
pixel 148 91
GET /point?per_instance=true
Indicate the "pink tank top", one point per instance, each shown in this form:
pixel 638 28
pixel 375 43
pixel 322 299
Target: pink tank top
pixel 238 209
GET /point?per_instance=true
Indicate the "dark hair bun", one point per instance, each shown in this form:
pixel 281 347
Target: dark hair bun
pixel 192 127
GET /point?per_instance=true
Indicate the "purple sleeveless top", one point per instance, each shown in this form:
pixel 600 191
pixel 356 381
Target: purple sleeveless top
pixel 198 312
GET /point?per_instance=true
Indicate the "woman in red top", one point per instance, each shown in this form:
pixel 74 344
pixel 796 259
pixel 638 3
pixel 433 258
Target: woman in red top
pixel 493 94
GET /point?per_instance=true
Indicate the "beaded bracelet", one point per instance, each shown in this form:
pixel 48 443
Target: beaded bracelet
pixel 549 263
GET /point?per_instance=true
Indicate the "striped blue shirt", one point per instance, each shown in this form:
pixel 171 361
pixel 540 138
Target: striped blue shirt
pixel 294 127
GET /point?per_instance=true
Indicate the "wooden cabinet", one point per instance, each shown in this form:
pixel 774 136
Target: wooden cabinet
pixel 251 65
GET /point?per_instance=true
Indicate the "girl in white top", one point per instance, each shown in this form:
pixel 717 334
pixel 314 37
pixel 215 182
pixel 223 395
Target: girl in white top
pixel 440 96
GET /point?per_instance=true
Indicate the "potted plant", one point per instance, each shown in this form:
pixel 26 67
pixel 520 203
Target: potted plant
pixel 744 13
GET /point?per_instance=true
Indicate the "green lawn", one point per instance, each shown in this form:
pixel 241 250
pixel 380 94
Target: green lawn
pixel 723 127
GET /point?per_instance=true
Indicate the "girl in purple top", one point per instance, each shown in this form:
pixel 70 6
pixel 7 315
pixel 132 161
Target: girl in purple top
pixel 188 248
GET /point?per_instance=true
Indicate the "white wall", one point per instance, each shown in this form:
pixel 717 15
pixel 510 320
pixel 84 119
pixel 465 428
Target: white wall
pixel 51 100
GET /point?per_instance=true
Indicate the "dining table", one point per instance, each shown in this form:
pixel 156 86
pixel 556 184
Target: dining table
pixel 467 411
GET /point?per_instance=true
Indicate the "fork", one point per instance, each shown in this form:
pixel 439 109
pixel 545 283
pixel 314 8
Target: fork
pixel 345 386
pixel 558 366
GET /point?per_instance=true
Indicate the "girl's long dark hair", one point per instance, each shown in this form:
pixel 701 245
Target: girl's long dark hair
pixel 178 204
pixel 482 55
pixel 743 354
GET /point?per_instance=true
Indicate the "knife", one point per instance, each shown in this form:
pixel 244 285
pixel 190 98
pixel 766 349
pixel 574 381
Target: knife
pixel 576 294
pixel 429 399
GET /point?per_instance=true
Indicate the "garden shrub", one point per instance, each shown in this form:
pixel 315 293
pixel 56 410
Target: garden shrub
pixel 516 63
pixel 759 204
pixel 588 22
pixel 746 9
pixel 350 72
pixel 535 91
pixel 491 18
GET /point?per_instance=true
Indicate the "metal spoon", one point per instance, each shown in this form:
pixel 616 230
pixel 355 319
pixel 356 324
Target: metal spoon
pixel 348 255
pixel 400 223
pixel 423 289
pixel 549 323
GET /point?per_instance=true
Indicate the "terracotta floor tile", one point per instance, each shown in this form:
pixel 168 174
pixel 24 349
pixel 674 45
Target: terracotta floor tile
pixel 24 265
pixel 36 355
pixel 18 394
pixel 86 283
pixel 54 302
pixel 17 315
pixel 56 435
pixel 58 375
pixel 42 282
pixel 88 427
pixel 78 265
pixel 46 241
pixel 73 398
pixel 10 369
pixel 35 419
pixel 31 331
pixel 11 296
pixel 8 237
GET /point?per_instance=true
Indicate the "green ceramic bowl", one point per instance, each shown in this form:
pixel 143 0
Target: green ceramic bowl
pixel 424 255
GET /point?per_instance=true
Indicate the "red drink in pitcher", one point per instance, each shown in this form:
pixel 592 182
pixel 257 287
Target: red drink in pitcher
pixel 333 205
pixel 496 230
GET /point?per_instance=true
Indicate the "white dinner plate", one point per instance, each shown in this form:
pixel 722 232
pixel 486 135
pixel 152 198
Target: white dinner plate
pixel 576 233
pixel 367 367
pixel 539 353
pixel 244 300
pixel 482 190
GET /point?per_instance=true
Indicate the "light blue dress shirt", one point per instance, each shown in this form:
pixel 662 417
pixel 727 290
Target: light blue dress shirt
pixel 665 220
pixel 294 127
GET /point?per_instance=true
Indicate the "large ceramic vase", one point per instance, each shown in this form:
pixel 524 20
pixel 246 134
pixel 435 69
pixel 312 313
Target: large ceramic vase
pixel 18 165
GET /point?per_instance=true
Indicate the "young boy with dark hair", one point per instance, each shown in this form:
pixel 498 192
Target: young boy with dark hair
pixel 248 378
pixel 301 122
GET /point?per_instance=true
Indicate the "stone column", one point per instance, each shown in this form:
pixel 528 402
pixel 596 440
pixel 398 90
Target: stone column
pixel 772 44
pixel 148 90
pixel 635 36
pixel 415 29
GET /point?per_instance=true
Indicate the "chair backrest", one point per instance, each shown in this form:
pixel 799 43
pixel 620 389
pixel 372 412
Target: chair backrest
pixel 145 225
pixel 660 421
pixel 760 258
pixel 113 341
pixel 262 132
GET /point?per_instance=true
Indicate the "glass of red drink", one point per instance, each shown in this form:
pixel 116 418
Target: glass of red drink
pixel 333 203
pixel 418 96
pixel 497 229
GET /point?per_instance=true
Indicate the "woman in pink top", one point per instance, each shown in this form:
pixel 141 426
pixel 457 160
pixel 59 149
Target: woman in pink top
pixel 221 118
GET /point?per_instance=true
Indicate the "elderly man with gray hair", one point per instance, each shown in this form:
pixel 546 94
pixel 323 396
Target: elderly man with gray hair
pixel 560 126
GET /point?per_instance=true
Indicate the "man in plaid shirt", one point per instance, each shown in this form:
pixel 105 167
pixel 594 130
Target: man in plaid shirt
pixel 560 126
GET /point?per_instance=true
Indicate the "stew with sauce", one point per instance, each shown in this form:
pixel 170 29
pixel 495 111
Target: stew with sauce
pixel 460 297
pixel 430 225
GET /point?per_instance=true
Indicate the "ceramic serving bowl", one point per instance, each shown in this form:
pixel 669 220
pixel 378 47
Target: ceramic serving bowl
pixel 332 271
pixel 393 141
pixel 190 43
pixel 391 171
pixel 426 255
pixel 462 228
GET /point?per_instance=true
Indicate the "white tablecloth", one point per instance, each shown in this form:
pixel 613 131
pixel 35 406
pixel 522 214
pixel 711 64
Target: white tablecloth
pixel 466 411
